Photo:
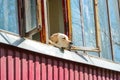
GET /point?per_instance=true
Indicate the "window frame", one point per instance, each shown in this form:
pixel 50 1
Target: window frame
pixel 66 16
pixel 39 18
pixel 68 25
pixel 97 28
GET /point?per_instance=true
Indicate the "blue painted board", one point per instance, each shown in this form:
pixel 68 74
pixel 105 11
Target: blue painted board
pixel 104 28
pixel 8 15
pixel 115 27
pixel 88 21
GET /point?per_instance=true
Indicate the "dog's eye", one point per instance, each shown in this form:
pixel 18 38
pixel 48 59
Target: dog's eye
pixel 64 38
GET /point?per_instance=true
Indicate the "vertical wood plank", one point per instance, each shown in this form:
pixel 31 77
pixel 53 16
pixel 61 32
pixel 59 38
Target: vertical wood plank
pixel 71 71
pixel 99 74
pixel 90 73
pixel 111 75
pixel 44 71
pixel 49 68
pixel 61 71
pixel 85 73
pixel 31 67
pixel 81 72
pixel 10 64
pixel 17 66
pixel 107 75
pixel 118 76
pixel 55 70
pixel 76 75
pixel 66 71
pixel 0 62
pixel 94 74
pixel 3 72
pixel 37 68
pixel 24 66
pixel 103 74
pixel 115 76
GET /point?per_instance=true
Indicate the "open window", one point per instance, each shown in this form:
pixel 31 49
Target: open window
pixel 55 16
pixel 33 24
pixel 85 25
pixel 34 20
pixel 58 19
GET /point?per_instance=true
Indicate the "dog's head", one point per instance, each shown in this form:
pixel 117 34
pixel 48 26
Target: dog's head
pixel 61 40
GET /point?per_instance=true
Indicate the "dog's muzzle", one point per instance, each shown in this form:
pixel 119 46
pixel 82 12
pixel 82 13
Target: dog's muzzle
pixel 71 43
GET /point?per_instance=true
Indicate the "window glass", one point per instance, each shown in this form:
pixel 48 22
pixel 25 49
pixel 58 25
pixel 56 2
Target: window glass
pixel 83 29
pixel 83 24
pixel 76 23
pixel 89 24
pixel 30 13
pixel 104 28
pixel 115 27
pixel 9 15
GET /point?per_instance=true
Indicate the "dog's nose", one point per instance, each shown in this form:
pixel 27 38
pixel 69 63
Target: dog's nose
pixel 71 43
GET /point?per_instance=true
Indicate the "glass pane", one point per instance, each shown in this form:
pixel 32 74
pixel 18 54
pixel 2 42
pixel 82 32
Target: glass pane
pixel 8 15
pixel 76 23
pixel 88 30
pixel 104 28
pixel 88 21
pixel 89 24
pixel 115 26
pixel 30 11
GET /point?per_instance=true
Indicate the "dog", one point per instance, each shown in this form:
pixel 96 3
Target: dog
pixel 60 40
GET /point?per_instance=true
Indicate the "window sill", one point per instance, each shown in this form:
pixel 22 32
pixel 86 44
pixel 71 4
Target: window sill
pixel 55 52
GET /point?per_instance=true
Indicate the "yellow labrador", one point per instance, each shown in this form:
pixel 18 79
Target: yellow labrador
pixel 60 40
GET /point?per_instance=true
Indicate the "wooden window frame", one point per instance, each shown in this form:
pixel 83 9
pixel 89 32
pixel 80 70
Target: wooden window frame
pixel 22 22
pixel 97 28
pixel 66 17
pixel 68 24
pixel 41 12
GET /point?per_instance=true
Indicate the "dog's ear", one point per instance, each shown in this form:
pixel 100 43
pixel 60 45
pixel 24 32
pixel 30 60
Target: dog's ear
pixel 54 38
